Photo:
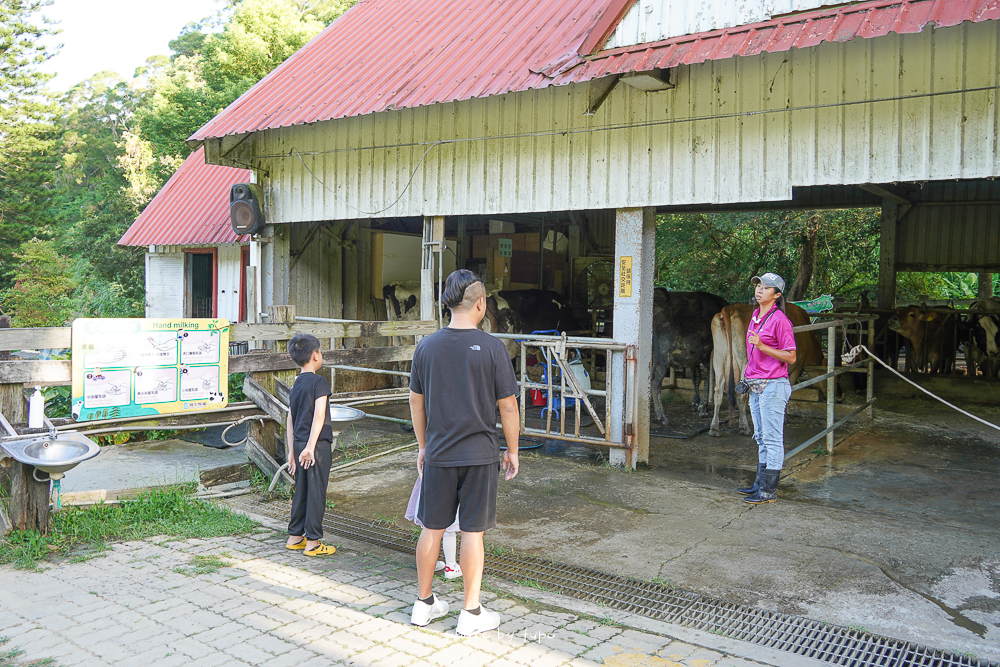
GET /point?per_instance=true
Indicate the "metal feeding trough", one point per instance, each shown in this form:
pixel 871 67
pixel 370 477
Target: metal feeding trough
pixel 342 415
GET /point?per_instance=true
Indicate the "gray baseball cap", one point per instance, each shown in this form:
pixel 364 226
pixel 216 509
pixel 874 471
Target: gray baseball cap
pixel 770 280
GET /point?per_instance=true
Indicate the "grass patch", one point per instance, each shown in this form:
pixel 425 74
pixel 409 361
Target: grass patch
pixel 202 565
pixel 383 521
pixel 81 533
pixel 9 655
pixel 531 583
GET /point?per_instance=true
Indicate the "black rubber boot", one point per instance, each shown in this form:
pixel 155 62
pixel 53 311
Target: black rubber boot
pixel 768 491
pixel 750 490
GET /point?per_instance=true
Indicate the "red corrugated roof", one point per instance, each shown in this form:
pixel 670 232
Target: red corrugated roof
pixel 192 208
pixel 393 54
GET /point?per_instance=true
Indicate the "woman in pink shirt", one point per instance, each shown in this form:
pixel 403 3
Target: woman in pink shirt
pixel 770 348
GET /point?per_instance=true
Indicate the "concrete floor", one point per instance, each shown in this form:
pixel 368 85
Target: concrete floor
pixel 896 532
pixel 136 465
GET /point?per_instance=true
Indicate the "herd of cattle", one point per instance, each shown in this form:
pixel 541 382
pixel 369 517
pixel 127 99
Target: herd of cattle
pixel 692 329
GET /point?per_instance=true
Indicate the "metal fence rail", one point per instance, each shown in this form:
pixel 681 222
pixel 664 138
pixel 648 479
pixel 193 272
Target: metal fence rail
pixel 851 325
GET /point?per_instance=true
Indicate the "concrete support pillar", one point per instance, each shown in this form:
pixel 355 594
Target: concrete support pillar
pixel 433 243
pixel 887 255
pixel 985 285
pixel 635 243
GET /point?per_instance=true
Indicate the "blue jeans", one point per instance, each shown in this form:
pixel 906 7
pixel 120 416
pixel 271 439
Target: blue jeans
pixel 768 412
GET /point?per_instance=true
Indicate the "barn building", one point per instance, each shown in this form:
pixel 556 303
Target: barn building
pixel 195 263
pixel 572 123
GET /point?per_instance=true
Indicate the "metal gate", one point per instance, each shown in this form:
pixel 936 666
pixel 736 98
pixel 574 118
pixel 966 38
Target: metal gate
pixel 619 392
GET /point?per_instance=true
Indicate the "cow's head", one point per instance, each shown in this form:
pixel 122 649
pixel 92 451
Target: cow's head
pixel 909 321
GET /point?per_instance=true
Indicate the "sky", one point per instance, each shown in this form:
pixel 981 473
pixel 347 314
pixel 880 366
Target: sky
pixel 115 35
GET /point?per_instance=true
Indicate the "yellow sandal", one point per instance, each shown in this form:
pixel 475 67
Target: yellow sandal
pixel 321 550
pixel 298 545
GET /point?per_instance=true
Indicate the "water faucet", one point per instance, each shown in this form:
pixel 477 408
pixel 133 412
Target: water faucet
pixel 52 427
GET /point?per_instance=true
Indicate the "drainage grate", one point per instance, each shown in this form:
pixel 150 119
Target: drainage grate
pixel 794 634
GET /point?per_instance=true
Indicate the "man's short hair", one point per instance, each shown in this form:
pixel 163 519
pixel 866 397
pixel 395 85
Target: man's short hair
pixel 301 348
pixel 462 289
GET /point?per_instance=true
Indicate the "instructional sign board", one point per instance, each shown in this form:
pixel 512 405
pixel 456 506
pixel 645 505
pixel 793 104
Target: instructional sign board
pixel 135 367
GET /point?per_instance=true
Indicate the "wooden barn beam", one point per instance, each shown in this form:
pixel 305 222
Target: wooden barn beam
pixel 887 192
pixel 888 227
pixel 598 90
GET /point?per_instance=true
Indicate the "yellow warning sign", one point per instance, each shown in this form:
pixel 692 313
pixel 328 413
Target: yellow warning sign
pixel 625 278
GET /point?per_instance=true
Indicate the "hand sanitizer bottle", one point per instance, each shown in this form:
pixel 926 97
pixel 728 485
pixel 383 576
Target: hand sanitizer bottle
pixel 36 409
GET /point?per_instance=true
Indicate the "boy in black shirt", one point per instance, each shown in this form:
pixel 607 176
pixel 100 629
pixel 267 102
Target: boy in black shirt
pixel 309 435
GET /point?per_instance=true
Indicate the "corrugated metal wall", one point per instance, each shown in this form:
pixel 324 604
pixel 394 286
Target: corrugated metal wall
pixel 654 20
pixel 962 237
pixel 674 162
pixel 165 284
pixel 228 296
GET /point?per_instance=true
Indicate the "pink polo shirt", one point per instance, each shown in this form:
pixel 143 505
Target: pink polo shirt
pixel 777 333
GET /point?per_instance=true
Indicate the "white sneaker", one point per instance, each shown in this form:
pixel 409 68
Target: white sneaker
pixel 439 566
pixel 424 613
pixel 471 624
pixel 453 573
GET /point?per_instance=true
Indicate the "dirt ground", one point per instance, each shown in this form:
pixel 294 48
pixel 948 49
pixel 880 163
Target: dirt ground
pixel 896 532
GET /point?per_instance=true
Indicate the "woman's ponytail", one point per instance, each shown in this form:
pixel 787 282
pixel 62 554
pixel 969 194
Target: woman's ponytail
pixel 780 303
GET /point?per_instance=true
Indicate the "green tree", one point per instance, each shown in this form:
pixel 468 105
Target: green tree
pixel 27 134
pixel 97 201
pixel 720 252
pixel 41 295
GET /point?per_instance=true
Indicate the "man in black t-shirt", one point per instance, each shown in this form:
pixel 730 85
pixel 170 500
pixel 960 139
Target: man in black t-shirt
pixel 458 377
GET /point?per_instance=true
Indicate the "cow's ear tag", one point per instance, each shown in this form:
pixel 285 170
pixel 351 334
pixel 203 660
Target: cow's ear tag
pixel 927 317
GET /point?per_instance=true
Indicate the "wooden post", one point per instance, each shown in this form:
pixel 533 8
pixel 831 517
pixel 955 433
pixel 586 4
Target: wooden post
pixel 269 435
pixel 28 498
pixel 831 384
pixel 887 255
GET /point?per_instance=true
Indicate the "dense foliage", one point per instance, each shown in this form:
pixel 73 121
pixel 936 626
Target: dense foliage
pixel 817 252
pixel 77 170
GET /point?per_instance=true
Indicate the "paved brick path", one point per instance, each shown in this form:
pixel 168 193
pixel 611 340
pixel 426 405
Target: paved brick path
pixel 144 603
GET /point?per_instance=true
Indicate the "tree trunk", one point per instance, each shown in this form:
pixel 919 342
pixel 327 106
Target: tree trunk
pixel 28 499
pixel 807 261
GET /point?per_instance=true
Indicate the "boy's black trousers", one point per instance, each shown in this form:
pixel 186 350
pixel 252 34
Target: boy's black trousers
pixel 309 501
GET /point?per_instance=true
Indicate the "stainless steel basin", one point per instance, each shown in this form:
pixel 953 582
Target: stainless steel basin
pixel 52 455
pixel 342 415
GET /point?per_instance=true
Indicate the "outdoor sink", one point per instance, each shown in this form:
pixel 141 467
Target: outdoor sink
pixel 342 415
pixel 54 455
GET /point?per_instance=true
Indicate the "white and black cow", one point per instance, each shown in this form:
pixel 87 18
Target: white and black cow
pixel 981 336
pixel 402 300
pixel 682 338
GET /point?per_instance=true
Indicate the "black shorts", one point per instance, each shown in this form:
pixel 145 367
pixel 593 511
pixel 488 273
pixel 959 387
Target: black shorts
pixel 472 490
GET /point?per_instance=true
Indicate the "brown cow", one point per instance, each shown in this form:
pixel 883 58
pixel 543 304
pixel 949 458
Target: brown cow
pixel 729 354
pixel 931 337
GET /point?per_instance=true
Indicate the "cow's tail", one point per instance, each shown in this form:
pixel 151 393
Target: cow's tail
pixel 731 382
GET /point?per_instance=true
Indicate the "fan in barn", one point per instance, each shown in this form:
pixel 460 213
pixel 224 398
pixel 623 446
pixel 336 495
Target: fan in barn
pixel 593 283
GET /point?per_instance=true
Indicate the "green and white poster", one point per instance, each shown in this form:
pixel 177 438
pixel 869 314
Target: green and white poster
pixel 137 367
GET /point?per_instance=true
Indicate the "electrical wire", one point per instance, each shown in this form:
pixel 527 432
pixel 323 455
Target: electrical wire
pixel 294 152
pixel 348 204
